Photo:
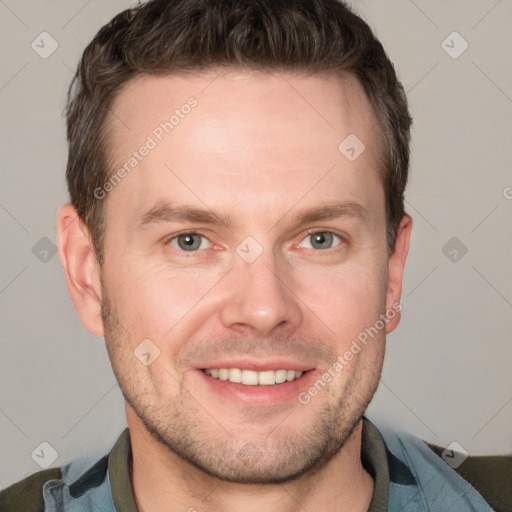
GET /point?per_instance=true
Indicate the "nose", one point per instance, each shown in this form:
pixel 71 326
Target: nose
pixel 262 298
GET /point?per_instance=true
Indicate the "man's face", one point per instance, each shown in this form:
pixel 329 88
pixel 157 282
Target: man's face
pixel 265 288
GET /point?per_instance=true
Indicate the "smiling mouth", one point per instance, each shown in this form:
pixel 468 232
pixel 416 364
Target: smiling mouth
pixel 253 378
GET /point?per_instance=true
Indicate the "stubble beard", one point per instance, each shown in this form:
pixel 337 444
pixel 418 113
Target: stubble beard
pixel 186 428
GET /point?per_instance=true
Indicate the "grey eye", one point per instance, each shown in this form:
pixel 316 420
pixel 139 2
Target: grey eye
pixel 189 242
pixel 321 240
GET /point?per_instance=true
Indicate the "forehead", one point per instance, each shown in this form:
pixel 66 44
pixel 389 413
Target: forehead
pixel 270 135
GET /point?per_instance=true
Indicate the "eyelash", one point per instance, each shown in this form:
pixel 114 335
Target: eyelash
pixel 190 254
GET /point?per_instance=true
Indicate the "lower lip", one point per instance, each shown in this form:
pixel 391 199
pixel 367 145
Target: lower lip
pixel 260 395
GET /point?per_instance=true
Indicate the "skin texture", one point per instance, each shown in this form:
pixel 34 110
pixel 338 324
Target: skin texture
pixel 258 148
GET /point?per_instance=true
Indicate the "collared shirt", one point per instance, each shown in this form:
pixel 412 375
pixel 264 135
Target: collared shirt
pixel 116 468
pixel 407 474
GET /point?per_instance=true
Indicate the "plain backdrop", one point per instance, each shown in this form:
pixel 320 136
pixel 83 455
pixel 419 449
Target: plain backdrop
pixel 447 373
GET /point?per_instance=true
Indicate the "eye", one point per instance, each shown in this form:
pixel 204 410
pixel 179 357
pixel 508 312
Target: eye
pixel 321 240
pixel 189 242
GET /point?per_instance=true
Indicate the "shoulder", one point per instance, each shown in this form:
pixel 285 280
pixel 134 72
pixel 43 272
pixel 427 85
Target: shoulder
pixel 71 486
pixel 31 493
pixel 490 475
pixel 27 494
pixel 423 472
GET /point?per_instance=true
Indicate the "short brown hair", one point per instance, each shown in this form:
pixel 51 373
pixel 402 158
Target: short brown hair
pixel 176 36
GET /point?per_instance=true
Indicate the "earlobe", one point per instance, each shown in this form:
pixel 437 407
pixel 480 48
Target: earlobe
pixel 396 265
pixel 81 268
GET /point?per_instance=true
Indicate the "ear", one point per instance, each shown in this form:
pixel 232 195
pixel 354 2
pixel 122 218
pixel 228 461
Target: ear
pixel 396 265
pixel 81 268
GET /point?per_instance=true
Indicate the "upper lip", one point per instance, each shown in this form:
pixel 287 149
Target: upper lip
pixel 256 365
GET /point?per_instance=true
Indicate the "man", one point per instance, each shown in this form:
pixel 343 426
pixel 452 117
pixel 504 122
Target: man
pixel 237 234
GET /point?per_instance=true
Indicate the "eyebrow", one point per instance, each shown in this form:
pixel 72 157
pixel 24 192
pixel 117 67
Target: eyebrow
pixel 166 212
pixel 163 212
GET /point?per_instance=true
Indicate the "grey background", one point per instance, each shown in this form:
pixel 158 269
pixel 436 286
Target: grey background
pixel 447 371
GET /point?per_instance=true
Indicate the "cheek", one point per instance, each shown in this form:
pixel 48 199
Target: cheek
pixel 346 299
pixel 155 301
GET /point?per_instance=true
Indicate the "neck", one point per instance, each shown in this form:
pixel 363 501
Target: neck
pixel 162 481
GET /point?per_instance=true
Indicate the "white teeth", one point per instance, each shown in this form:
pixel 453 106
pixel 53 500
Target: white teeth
pixel 267 378
pixel 249 377
pixel 253 378
pixel 281 376
pixel 235 375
